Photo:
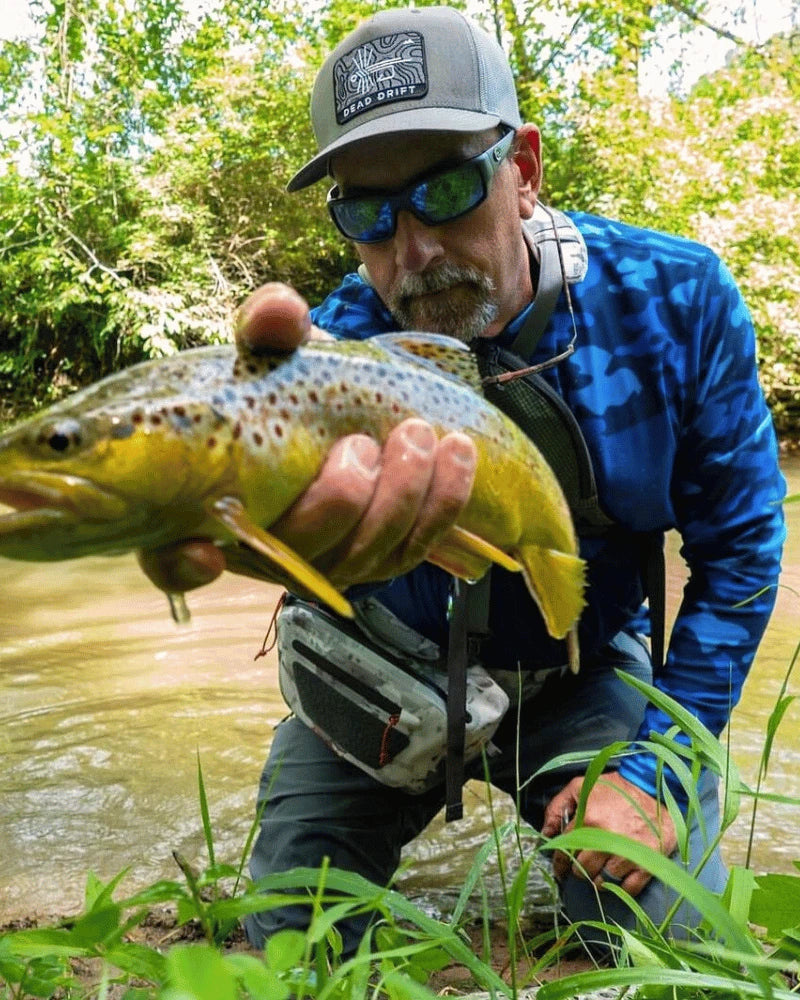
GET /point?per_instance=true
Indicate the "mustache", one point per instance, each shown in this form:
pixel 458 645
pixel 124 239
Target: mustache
pixel 439 280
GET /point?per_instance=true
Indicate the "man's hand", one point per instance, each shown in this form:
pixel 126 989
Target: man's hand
pixel 617 805
pixel 372 512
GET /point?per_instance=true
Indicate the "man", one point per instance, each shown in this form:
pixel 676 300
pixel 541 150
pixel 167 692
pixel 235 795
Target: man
pixel 436 180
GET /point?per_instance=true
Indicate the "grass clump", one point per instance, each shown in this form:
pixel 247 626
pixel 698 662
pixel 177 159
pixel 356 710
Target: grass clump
pixel 747 945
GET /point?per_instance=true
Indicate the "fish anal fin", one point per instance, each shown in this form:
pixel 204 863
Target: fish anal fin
pixel 556 581
pixel 231 514
pixel 467 555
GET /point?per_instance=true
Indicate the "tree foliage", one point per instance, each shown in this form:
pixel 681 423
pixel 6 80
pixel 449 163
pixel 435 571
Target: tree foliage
pixel 148 146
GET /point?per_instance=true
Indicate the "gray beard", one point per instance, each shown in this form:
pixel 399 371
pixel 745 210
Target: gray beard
pixel 465 316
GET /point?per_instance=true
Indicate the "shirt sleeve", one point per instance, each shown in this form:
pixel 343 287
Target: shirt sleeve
pixel 353 311
pixel 727 490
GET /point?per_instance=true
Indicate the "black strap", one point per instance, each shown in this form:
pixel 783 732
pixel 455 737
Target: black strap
pixel 469 622
pixel 654 579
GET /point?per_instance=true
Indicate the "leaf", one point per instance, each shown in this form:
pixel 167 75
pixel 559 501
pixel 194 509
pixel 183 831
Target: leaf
pixel 775 904
pixel 259 980
pixel 285 949
pixel 199 971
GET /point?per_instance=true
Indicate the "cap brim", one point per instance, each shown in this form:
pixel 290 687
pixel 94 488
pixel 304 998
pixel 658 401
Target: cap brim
pixel 417 120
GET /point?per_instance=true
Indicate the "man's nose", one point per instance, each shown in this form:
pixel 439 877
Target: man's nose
pixel 416 245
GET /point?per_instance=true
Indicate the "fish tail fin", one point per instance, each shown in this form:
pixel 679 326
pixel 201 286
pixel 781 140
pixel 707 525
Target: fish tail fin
pixel 556 581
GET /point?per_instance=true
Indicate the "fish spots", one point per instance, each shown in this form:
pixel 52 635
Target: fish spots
pixel 277 430
pixel 237 430
pixel 272 398
pixel 250 402
pixel 211 442
pixel 120 430
pixel 258 438
pixel 313 397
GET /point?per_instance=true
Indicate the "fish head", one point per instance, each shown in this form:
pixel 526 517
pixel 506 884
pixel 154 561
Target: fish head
pixel 80 481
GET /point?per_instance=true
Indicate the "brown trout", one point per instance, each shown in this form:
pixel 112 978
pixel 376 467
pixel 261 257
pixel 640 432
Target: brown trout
pixel 212 444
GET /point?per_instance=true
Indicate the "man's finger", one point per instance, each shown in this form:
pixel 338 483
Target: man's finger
pixel 274 318
pixel 332 506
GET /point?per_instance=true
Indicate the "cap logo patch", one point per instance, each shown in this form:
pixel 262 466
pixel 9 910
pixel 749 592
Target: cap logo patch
pixel 386 69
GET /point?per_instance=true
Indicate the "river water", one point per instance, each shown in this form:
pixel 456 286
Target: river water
pixel 106 706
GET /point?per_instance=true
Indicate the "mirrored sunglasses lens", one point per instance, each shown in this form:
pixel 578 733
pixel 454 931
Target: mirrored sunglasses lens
pixel 449 194
pixel 364 219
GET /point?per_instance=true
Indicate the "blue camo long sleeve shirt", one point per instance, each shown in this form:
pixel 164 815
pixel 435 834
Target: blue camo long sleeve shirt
pixel 663 384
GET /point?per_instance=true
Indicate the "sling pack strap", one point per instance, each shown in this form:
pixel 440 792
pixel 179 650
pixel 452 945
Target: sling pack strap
pixel 542 414
pixel 469 622
pixel 562 258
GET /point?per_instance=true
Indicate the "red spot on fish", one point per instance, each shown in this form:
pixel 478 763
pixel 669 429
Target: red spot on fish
pixel 278 430
pixel 378 397
pixel 137 418
pixel 293 399
pixel 313 397
pixel 211 442
pixel 259 440
pixel 155 419
pixel 272 399
pixel 237 432
pixel 250 400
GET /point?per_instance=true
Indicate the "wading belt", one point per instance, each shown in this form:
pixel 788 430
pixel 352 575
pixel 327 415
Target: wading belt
pixel 521 393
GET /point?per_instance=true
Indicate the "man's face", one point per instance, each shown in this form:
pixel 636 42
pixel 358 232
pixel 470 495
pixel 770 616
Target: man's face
pixel 467 277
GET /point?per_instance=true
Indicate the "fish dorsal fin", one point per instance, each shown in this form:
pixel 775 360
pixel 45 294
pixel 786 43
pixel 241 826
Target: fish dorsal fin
pixel 445 355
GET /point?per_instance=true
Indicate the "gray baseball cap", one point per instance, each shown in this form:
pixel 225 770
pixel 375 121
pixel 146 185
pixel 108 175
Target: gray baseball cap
pixel 428 69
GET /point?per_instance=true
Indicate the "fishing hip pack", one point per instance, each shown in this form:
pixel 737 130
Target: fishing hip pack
pixel 376 692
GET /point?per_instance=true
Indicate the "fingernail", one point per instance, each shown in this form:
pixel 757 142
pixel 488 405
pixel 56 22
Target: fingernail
pixel 419 436
pixel 464 452
pixel 360 454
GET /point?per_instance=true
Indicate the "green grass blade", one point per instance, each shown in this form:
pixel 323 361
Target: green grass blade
pixel 204 813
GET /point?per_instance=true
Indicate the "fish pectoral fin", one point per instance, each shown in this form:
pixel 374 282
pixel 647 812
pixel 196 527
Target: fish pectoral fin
pixel 556 581
pixel 231 514
pixel 467 555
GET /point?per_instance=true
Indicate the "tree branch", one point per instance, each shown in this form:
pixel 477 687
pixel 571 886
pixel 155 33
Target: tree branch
pixel 688 11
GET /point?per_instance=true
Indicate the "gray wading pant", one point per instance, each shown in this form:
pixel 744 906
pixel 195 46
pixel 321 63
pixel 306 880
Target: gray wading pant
pixel 320 805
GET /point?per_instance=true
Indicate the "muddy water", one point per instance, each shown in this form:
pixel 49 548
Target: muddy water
pixel 105 706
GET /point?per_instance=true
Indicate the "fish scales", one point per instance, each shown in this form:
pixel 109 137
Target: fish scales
pixel 157 453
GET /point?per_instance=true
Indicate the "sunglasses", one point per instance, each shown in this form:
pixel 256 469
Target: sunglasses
pixel 441 196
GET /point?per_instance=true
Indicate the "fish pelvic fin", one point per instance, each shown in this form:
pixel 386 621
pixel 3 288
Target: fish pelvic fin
pixel 468 556
pixel 556 581
pixel 231 514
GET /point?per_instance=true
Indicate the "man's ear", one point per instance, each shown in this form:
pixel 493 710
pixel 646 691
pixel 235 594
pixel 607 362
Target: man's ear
pixel 527 157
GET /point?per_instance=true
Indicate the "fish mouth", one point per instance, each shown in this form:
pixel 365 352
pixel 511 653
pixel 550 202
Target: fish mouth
pixel 42 499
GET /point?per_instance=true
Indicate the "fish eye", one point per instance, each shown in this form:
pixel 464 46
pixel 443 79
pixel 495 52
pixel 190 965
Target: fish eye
pixel 58 441
pixel 63 435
